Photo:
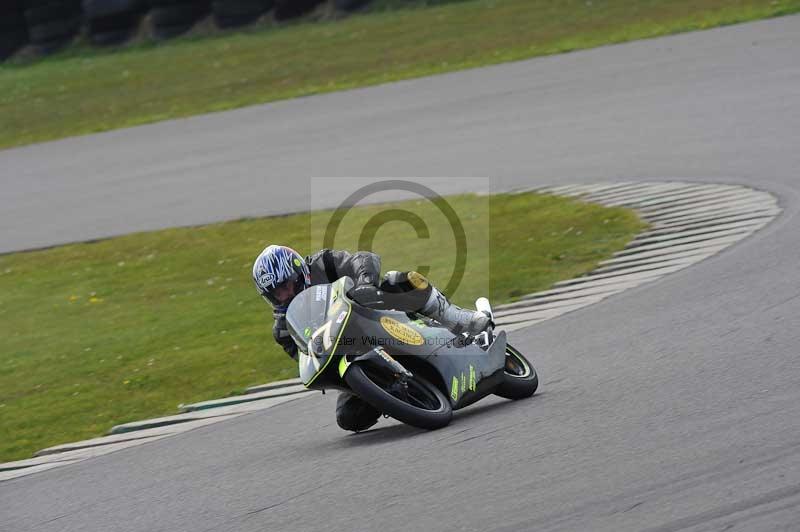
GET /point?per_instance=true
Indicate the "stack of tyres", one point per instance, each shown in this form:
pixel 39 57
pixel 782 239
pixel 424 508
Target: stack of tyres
pixel 350 5
pixel 52 23
pixel 13 29
pixel 112 21
pixel 234 13
pixel 286 9
pixel 174 17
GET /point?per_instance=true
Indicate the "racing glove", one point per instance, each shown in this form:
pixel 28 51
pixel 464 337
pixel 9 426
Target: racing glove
pixel 367 295
pixel 280 332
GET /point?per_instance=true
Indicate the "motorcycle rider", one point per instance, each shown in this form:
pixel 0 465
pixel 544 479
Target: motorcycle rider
pixel 280 273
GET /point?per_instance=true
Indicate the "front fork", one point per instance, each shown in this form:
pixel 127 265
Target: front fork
pixel 379 357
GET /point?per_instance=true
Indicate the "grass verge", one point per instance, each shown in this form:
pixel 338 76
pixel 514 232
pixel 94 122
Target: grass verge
pixel 84 90
pixel 96 334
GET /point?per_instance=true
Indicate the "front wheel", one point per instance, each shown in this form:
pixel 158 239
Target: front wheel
pixel 520 378
pixel 419 403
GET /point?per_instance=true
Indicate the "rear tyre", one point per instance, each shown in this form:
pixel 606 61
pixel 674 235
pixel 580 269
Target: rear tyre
pixel 112 21
pixel 350 5
pixel 13 28
pixel 50 36
pixel 52 24
pixel 288 9
pixel 110 37
pixel 171 19
pixel 521 380
pixel 422 405
pixel 234 13
pixel 11 40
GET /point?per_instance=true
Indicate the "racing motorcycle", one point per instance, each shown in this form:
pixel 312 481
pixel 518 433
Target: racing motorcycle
pixel 405 365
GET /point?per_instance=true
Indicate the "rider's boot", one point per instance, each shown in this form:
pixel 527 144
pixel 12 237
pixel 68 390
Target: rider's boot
pixel 412 291
pixel 455 318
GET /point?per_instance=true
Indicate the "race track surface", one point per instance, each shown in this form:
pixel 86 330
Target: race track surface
pixel 669 407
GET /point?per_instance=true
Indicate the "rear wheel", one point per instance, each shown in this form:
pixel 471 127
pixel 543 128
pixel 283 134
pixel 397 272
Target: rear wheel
pixel 521 379
pixel 416 402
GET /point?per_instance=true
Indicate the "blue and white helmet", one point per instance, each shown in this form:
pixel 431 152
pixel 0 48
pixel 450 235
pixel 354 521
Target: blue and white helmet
pixel 279 266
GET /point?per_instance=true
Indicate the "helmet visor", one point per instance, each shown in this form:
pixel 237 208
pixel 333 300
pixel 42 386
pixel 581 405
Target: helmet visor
pixel 282 294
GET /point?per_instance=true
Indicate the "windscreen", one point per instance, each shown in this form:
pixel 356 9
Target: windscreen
pixel 315 319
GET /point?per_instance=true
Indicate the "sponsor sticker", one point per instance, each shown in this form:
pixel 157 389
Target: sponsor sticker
pixel 401 331
pixel 472 378
pixel 321 292
pixel 335 307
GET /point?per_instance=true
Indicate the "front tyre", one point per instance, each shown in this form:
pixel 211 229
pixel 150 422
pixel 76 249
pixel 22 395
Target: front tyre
pixel 420 403
pixel 520 380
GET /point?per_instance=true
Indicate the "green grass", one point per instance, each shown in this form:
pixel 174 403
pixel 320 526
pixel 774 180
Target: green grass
pixel 96 334
pixel 85 90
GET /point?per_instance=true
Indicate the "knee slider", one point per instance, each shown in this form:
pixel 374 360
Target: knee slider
pixel 352 413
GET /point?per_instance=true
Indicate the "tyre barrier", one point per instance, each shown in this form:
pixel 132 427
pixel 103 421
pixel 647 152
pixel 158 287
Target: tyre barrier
pixel 174 17
pixel 350 5
pixel 112 21
pixel 52 24
pixel 13 29
pixel 289 9
pixel 49 25
pixel 235 13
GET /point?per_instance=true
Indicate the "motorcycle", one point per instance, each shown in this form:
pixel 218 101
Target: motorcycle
pixel 406 365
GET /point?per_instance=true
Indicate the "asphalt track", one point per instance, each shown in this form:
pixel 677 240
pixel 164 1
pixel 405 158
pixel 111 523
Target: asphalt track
pixel 670 407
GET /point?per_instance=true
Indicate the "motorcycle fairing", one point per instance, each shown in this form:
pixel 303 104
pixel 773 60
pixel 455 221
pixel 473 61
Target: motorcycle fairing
pixel 323 317
pixel 468 372
pixel 471 374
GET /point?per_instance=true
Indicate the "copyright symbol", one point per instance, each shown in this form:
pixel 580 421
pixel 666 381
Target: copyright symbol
pixel 368 232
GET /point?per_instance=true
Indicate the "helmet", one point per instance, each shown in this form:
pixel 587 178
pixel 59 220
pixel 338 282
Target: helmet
pixel 278 268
